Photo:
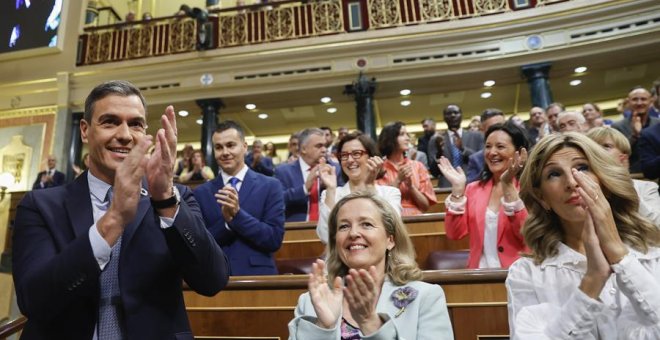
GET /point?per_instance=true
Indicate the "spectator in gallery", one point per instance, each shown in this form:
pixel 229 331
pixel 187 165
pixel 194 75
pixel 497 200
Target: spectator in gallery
pixel 490 210
pixel 571 121
pixel 146 16
pixel 183 161
pixel 370 286
pixel 594 267
pixel 617 145
pixel 459 143
pixel 197 170
pixel 639 101
pixel 78 170
pixel 360 165
pixel 50 177
pixel 130 17
pixel 271 151
pixel 537 126
pixel 552 112
pixel 293 148
pixel 409 176
pixel 258 161
pixel 593 115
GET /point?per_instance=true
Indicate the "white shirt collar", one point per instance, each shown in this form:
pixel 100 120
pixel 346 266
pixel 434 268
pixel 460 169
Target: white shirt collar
pixel 240 175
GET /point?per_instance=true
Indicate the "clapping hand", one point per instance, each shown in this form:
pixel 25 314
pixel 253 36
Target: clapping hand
pixel 327 174
pixel 455 176
pixel 361 294
pixel 327 300
pixel 227 197
pixel 404 174
pixel 374 166
pixel 160 168
pixel 516 165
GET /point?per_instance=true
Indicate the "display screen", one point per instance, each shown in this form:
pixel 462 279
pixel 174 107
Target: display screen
pixel 26 24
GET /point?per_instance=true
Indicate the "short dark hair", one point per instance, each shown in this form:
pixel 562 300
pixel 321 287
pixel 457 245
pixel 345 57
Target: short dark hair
pixel 230 124
pixel 387 140
pixel 489 113
pixel 518 137
pixel 364 139
pixel 557 104
pixel 326 128
pixel 112 87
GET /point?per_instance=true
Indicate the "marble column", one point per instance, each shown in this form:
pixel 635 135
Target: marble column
pixel 363 91
pixel 210 110
pixel 75 146
pixel 539 86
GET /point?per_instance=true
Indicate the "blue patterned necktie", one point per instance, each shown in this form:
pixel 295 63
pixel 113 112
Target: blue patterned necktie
pixel 109 326
pixel 456 160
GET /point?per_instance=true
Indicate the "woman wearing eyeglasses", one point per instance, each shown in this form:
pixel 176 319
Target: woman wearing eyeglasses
pixel 360 166
pixel 408 175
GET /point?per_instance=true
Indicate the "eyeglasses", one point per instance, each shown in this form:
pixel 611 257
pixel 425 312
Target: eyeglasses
pixel 356 154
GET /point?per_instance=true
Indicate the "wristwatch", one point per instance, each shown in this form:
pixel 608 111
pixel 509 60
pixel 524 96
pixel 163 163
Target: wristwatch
pixel 167 203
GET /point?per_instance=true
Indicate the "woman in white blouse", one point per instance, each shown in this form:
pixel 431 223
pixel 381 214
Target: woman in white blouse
pixel 594 271
pixel 360 165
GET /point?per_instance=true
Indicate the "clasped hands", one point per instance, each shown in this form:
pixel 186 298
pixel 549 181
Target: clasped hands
pixel 360 296
pixel 602 244
pixel 127 186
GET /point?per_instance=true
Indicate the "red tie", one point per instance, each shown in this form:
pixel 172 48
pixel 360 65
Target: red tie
pixel 314 202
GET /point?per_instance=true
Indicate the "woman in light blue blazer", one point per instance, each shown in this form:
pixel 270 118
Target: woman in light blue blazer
pixel 372 288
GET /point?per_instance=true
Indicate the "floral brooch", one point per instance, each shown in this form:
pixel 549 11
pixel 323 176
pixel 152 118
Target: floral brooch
pixel 402 297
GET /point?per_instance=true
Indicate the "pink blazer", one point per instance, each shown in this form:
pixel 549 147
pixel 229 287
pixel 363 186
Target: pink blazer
pixel 509 239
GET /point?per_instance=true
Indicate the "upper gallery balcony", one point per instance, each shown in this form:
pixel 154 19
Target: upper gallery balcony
pixel 280 21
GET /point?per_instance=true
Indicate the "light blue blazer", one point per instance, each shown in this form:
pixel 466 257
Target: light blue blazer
pixel 425 318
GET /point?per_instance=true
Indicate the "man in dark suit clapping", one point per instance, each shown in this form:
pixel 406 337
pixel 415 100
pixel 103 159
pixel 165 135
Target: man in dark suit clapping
pixel 50 177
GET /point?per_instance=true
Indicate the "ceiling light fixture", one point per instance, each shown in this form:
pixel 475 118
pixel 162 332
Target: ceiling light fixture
pixel 581 69
pixel 575 82
pixel 489 83
pixel 183 113
pixel 405 103
pixel 326 100
pixel 405 92
pixel 331 110
pixel 263 115
pixel 250 106
pixel 199 121
pixel 486 95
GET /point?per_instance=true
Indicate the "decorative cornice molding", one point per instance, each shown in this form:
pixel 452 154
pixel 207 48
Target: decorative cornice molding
pixel 29 112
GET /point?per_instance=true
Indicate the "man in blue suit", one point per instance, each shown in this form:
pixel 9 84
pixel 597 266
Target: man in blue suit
pixel 244 210
pixel 104 257
pixel 49 178
pixel 300 179
pixel 257 161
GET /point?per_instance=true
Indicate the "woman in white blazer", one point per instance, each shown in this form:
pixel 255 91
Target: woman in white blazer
pixel 372 288
pixel 360 165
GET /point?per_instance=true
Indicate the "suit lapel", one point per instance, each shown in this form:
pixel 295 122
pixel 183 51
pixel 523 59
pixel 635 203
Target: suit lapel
pixel 79 206
pixel 143 207
pixel 247 186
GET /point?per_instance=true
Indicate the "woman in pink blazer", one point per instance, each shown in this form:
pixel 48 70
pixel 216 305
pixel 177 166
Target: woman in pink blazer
pixel 489 210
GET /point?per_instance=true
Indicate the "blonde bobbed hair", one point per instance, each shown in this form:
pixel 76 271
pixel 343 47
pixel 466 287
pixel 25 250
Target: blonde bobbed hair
pixel 400 265
pixel 543 230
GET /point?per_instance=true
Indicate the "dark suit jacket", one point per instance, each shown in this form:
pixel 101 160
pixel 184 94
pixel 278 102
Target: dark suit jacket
pixel 58 179
pixel 472 142
pixel 256 231
pixel 624 126
pixel 476 164
pixel 649 151
pixel 57 276
pixel 264 167
pixel 295 198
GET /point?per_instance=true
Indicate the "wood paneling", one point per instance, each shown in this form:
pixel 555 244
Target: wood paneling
pixel 427 233
pixel 262 306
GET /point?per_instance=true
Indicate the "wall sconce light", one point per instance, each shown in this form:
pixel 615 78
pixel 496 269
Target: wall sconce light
pixel 6 181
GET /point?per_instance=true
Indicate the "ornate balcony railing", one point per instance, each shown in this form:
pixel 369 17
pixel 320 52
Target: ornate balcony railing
pixel 276 21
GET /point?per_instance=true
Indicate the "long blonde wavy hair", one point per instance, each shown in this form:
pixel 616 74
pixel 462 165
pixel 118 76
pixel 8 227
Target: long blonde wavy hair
pixel 400 265
pixel 543 230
